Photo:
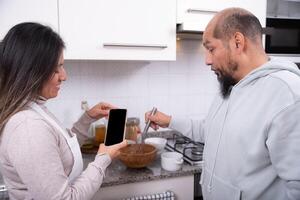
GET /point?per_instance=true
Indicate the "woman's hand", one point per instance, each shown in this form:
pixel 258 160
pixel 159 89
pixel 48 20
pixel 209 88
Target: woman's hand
pixel 113 150
pixel 159 119
pixel 100 110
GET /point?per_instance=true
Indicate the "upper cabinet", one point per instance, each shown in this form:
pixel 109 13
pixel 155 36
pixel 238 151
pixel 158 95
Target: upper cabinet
pixel 118 30
pixel 13 12
pixel 194 15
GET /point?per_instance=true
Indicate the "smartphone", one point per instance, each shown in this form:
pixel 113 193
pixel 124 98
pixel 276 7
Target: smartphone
pixel 115 131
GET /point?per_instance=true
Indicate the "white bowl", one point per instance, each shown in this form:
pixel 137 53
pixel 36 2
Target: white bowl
pixel 158 142
pixel 171 161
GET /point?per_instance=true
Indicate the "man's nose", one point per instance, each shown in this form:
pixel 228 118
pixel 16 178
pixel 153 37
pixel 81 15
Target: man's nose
pixel 208 60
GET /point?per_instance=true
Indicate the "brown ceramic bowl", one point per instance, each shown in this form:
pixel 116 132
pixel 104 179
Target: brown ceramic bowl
pixel 137 155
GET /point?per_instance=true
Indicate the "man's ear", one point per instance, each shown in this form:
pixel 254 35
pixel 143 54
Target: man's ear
pixel 239 40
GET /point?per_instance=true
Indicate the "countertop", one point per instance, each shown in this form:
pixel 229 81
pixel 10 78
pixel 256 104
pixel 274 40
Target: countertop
pixel 117 173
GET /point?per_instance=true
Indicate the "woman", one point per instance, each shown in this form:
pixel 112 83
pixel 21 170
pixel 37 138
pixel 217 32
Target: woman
pixel 39 158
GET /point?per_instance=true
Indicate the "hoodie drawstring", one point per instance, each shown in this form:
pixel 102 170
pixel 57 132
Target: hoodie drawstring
pixel 209 187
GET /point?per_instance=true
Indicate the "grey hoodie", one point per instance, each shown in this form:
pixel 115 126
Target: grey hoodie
pixel 252 138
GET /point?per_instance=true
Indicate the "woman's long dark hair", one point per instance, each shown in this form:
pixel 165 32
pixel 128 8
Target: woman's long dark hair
pixel 29 55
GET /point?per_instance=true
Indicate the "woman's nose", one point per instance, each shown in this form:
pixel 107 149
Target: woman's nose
pixel 63 74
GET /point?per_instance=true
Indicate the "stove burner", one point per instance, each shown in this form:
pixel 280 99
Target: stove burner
pixel 197 143
pixel 197 148
pixel 180 138
pixel 196 151
pixel 192 151
pixel 180 141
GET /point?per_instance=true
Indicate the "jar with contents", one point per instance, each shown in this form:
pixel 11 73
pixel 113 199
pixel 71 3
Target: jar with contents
pixel 85 108
pixel 88 143
pixel 133 131
pixel 96 132
pixel 100 130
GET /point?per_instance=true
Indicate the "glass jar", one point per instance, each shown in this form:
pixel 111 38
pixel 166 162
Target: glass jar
pixel 133 129
pixel 100 130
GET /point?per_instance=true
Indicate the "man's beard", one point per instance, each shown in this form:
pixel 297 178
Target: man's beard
pixel 226 80
pixel 226 84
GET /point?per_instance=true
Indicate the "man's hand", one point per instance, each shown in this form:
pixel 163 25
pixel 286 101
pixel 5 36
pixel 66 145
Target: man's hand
pixel 159 119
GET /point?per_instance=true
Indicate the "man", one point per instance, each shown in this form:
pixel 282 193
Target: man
pixel 252 131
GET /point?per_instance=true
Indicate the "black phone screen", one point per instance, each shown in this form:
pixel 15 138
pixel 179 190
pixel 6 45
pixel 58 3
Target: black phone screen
pixel 116 126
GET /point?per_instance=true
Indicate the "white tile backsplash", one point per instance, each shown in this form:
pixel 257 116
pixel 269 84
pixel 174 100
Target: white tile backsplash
pixel 184 87
pixel 161 68
pixel 162 102
pixel 178 84
pixel 180 66
pixel 158 85
pixel 178 105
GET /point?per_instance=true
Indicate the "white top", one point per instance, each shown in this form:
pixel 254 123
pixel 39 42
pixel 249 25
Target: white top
pixel 36 160
pixel 71 141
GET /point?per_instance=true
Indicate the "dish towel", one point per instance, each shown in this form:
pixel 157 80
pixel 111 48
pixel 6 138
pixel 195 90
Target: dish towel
pixel 168 195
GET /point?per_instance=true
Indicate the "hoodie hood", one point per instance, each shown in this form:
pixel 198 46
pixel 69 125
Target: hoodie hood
pixel 272 66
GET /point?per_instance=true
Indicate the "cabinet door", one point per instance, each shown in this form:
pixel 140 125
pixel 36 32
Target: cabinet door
pixel 257 7
pixel 119 30
pixel 193 15
pixel 13 12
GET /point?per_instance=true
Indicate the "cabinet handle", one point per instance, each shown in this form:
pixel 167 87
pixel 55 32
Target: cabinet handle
pixel 195 10
pixel 159 46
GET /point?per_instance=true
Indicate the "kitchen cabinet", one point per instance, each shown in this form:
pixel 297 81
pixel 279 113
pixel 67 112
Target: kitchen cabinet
pixel 183 188
pixel 118 30
pixel 13 12
pixel 194 15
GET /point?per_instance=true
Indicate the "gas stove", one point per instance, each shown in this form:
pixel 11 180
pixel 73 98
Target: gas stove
pixel 192 151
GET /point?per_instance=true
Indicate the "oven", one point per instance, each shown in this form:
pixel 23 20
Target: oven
pixel 3 192
pixel 282 36
pixel 192 154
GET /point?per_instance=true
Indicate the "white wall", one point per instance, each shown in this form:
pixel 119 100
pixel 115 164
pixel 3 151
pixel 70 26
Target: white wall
pixel 185 87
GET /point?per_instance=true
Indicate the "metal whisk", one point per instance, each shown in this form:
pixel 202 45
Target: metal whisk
pixel 153 111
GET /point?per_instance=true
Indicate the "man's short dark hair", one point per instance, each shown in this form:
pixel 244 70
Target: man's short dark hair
pixel 238 20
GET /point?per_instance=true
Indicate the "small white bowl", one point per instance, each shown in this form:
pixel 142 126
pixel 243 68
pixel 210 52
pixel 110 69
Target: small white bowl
pixel 171 161
pixel 158 142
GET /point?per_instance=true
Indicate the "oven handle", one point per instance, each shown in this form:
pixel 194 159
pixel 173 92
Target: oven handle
pixel 158 196
pixel 3 188
pixel 3 192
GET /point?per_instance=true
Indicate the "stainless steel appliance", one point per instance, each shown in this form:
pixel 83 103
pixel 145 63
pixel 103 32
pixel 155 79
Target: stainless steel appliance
pixel 283 36
pixel 3 192
pixel 192 151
